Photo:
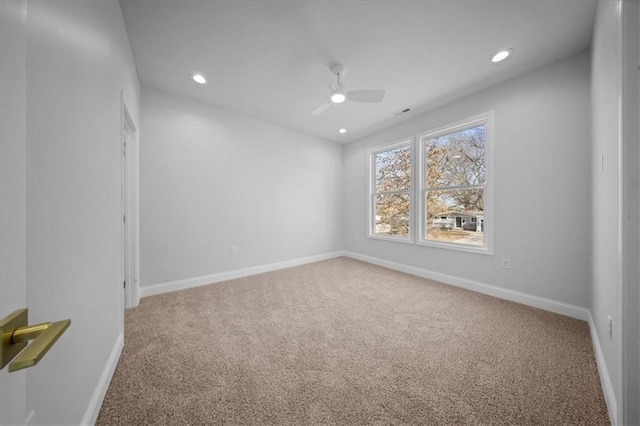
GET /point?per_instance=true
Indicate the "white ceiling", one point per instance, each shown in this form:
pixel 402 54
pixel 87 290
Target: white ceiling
pixel 266 58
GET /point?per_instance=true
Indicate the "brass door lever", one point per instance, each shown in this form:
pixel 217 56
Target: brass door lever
pixel 16 335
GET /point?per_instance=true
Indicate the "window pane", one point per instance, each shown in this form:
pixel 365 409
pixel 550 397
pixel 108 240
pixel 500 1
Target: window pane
pixel 456 216
pixel 392 214
pixel 456 159
pixel 393 170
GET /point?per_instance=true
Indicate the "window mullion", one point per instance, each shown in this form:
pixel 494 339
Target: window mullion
pixel 402 191
pixel 447 188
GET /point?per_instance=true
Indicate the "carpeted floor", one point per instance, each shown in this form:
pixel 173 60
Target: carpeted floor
pixel 346 342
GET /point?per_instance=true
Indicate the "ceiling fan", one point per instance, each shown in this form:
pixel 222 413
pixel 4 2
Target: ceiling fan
pixel 339 94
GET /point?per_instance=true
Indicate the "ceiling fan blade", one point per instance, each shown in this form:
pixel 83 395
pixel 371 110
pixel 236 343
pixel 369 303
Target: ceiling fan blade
pixel 321 108
pixel 372 96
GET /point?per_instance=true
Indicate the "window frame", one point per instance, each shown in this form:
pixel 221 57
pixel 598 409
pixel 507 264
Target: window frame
pixel 407 141
pixel 420 186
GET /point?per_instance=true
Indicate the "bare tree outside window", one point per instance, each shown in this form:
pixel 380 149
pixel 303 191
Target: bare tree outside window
pixel 392 192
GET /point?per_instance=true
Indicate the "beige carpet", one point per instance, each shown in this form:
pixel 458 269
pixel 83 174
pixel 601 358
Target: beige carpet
pixel 346 342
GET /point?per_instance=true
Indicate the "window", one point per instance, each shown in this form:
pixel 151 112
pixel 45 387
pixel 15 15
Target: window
pixel 390 197
pixel 453 186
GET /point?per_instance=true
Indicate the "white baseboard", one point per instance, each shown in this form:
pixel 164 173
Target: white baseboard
pixel 551 305
pixel 230 275
pixel 91 415
pixel 603 371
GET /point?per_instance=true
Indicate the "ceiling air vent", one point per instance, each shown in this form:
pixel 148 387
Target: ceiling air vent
pixel 402 111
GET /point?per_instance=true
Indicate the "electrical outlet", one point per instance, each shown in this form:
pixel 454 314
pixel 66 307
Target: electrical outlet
pixel 506 263
pixel 610 327
pixel 234 250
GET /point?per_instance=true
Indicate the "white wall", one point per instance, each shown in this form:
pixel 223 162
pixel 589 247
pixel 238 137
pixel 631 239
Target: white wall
pixel 541 175
pixel 78 62
pixel 211 178
pixel 606 287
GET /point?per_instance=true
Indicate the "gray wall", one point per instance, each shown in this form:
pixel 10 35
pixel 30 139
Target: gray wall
pixel 211 179
pixel 541 193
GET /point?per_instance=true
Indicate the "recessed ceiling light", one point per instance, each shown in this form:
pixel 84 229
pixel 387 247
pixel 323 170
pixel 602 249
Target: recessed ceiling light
pixel 198 78
pixel 342 131
pixel 338 98
pixel 501 56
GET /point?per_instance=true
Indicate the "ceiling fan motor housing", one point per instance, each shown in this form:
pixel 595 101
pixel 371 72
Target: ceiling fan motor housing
pixel 338 70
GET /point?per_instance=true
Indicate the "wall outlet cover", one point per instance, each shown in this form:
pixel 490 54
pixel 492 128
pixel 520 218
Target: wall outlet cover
pixel 506 263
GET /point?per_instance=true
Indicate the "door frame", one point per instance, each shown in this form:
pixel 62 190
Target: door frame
pixel 130 255
pixel 629 193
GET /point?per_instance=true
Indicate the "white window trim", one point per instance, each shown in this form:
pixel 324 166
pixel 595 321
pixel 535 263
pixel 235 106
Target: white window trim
pixel 419 188
pixel 410 142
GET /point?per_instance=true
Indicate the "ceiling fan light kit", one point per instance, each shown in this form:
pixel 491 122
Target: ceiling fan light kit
pixel 501 55
pixel 198 78
pixel 338 97
pixel 339 94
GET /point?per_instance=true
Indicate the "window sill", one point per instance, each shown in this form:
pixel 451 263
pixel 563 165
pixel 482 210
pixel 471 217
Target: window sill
pixel 456 247
pixel 390 238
